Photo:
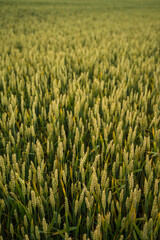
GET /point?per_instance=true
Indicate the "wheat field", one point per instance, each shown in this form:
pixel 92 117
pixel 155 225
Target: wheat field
pixel 80 119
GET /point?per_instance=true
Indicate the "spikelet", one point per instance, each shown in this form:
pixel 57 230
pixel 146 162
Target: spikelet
pixel 12 183
pixel 123 222
pixel 76 140
pixel 81 198
pixel 121 196
pixel 103 178
pixel 145 188
pixel 11 230
pixel 59 219
pixel 108 218
pixel 109 197
pixel 156 187
pixel 16 215
pixel 52 198
pixel 145 232
pixel 66 207
pixel 60 151
pixel 39 175
pixel 33 199
pixel 23 231
pixel 64 137
pixel 45 226
pixel 148 166
pixel 82 161
pixel 84 237
pixel 87 204
pixel 30 207
pixel 104 200
pixel 154 211
pixel 131 181
pixel 25 221
pixel 112 207
pixel 150 226
pixel 150 180
pixel 37 233
pixel 26 237
pixel 66 236
pixel 125 158
pixel 76 207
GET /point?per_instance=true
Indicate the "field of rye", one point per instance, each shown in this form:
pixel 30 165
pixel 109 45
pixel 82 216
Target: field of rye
pixel 80 119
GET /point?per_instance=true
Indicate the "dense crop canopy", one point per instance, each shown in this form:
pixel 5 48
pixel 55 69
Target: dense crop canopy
pixel 80 119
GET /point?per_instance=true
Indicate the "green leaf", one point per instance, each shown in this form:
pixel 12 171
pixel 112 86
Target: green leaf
pixel 61 232
pixel 137 230
pixel 135 235
pixel 78 225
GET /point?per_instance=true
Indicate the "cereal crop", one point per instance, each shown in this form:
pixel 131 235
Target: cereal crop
pixel 80 119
